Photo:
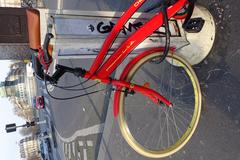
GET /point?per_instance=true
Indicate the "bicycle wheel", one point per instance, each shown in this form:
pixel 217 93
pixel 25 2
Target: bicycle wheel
pixel 155 130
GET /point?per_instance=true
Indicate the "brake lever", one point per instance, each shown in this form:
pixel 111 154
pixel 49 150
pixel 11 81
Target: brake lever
pixel 43 55
pixel 47 56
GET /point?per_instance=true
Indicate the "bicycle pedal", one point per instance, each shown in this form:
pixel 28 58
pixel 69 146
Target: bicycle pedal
pixel 194 25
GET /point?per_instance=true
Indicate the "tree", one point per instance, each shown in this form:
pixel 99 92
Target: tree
pixel 22 109
pixel 29 131
pixel 25 113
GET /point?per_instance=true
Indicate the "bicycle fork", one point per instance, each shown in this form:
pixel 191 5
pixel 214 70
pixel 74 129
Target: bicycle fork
pixel 150 93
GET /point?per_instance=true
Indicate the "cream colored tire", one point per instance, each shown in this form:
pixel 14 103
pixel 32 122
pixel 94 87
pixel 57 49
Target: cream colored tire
pixel 130 126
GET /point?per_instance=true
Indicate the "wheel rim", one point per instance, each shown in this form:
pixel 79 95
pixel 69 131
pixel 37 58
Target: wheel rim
pixel 188 133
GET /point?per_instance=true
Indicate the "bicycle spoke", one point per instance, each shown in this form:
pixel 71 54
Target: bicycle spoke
pixel 175 122
pixel 163 128
pixel 157 127
pixel 184 110
pixel 160 137
pixel 182 117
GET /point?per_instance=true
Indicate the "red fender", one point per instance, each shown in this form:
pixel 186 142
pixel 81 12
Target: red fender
pixel 126 71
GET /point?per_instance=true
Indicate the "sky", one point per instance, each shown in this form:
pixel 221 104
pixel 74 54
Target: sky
pixel 9 148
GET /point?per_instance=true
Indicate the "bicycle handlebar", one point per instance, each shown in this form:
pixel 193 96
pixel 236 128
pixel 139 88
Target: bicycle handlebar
pixel 47 56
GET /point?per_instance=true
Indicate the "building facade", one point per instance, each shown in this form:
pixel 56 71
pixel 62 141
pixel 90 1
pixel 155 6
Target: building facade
pixel 10 3
pixel 29 148
pixel 14 84
pixel 20 89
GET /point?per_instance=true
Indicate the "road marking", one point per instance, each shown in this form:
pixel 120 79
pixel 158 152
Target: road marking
pixel 65 148
pixel 50 87
pixel 85 154
pixel 83 132
pixel 62 146
pixel 73 148
pixel 69 151
pixel 90 143
pixel 79 155
pixel 63 151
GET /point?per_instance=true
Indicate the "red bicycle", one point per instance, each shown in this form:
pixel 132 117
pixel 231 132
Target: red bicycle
pixel 157 98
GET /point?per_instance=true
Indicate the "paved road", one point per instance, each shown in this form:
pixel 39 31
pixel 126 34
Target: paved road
pixel 218 134
pixel 78 123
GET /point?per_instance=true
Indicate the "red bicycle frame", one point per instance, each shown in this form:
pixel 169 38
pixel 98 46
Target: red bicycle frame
pixel 101 72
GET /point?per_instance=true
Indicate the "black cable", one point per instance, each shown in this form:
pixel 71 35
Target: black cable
pixel 167 43
pixel 81 95
pixel 66 87
pixel 167 37
pixel 189 14
pixel 78 89
pixel 81 83
pixel 167 30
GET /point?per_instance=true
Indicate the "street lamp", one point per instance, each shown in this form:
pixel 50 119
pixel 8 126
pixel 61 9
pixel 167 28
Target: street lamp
pixel 13 127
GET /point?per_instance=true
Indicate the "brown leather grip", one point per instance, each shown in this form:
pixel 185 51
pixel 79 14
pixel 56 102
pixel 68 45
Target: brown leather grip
pixel 33 21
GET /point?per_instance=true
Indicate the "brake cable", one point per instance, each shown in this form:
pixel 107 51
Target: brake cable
pixel 73 97
pixel 167 37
